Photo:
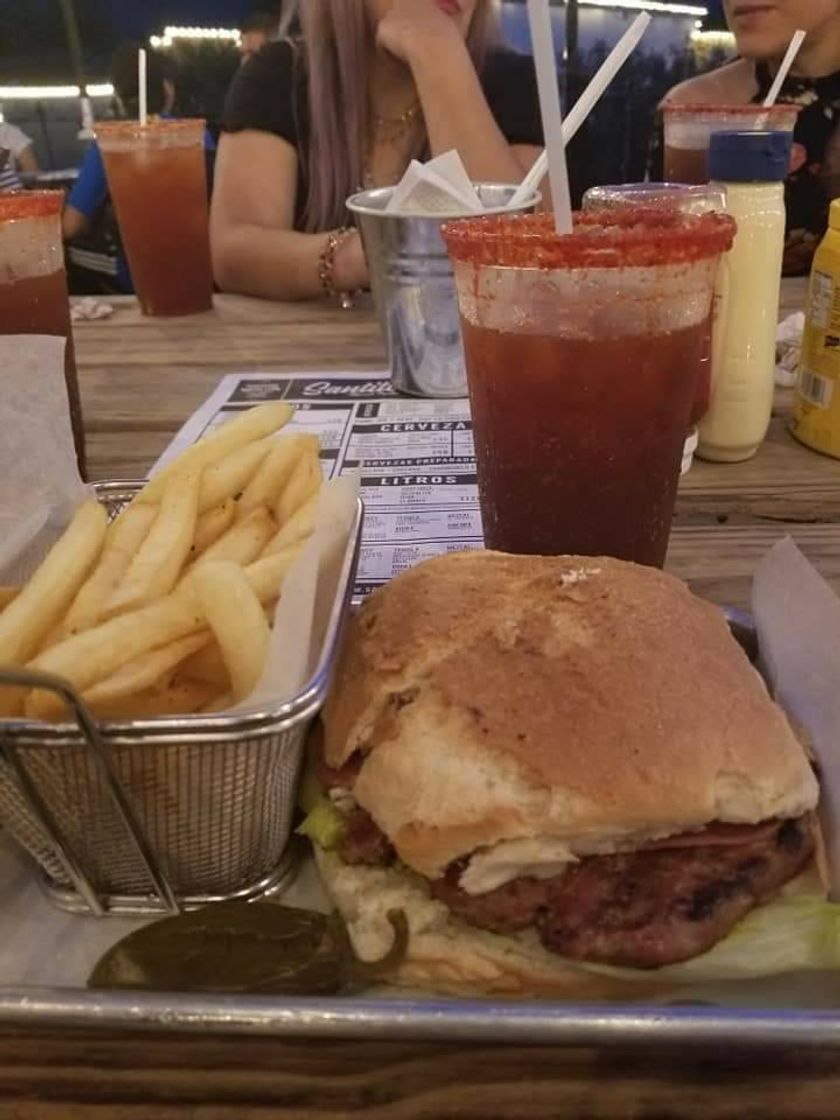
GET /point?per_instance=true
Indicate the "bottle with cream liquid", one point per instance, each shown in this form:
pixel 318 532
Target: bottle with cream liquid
pixel 750 167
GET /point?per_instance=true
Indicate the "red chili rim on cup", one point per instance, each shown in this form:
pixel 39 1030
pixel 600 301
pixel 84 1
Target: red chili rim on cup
pixel 632 238
pixel 15 205
pixel 735 112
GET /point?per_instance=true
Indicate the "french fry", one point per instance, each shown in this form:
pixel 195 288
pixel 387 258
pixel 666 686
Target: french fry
pixel 207 665
pixel 95 654
pixel 211 525
pixel 243 542
pixel 151 670
pixel 219 703
pixel 303 485
pixel 28 619
pixel 276 470
pixel 298 528
pixel 175 699
pixel 230 476
pixel 155 569
pixel 236 618
pixel 243 429
pixel 266 575
pixel 7 594
pixel 124 537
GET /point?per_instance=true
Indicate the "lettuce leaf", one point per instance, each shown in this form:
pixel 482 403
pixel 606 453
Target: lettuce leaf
pixel 794 933
pixel 324 825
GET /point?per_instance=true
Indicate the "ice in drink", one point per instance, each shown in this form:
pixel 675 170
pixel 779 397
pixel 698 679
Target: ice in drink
pixel 582 357
pixel 33 284
pixel 689 127
pixel 158 181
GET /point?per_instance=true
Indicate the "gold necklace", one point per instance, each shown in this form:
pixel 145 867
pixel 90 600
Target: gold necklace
pixel 403 119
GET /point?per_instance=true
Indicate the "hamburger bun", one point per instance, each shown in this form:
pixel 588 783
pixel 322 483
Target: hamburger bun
pixel 588 704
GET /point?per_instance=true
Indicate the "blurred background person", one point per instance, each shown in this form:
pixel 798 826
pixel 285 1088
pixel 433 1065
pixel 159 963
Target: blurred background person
pixel 20 158
pixel 255 31
pixel 368 86
pixel 763 29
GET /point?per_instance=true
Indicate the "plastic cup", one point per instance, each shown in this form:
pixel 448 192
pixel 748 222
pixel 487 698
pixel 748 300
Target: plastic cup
pixel 158 180
pixel 689 127
pixel 688 199
pixel 582 354
pixel 33 284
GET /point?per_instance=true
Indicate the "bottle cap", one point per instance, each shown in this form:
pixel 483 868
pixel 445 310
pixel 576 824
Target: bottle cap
pixel 749 156
pixel 834 215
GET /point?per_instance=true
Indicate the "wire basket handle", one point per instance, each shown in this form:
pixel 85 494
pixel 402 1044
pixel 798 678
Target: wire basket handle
pixel 27 678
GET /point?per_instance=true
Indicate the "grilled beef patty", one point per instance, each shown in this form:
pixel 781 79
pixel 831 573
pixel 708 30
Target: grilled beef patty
pixel 660 905
pixel 641 909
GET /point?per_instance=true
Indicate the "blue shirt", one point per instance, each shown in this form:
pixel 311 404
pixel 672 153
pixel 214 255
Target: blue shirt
pixel 91 190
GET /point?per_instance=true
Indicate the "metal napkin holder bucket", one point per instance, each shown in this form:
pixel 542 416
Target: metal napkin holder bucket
pixel 161 814
pixel 414 290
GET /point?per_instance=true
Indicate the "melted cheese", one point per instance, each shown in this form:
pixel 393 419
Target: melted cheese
pixel 538 857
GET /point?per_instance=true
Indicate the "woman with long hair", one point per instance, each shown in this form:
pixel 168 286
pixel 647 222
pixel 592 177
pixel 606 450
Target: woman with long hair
pixel 370 85
pixel 763 29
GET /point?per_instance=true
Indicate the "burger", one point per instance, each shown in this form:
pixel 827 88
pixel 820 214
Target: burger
pixel 567 775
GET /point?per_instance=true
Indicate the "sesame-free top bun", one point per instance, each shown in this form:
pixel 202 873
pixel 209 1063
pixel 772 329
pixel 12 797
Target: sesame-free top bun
pixel 586 700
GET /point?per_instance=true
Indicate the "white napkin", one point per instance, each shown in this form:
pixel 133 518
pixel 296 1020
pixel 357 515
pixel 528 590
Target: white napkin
pixel 441 186
pixel 87 307
pixel 798 619
pixel 789 349
pixel 39 480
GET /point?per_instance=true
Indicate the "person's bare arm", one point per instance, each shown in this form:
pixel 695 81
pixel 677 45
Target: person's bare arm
pixel 27 161
pixel 256 250
pixel 454 106
pixel 73 223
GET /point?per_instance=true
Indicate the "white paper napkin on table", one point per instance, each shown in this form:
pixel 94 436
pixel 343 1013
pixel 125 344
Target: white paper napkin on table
pixel 440 186
pixel 789 349
pixel 39 479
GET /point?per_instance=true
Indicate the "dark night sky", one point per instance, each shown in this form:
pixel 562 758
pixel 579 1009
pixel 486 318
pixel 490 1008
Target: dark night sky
pixel 133 19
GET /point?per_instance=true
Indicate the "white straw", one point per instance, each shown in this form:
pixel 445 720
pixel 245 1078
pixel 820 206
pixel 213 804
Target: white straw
pixel 587 101
pixel 787 62
pixel 542 42
pixel 142 87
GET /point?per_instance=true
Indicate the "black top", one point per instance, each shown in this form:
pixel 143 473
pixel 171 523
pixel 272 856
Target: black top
pixel 269 94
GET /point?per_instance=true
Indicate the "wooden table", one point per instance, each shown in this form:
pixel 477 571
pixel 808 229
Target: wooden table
pixel 140 379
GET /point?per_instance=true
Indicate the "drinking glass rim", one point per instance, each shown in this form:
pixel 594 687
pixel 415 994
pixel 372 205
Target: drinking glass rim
pixel 633 237
pixel 155 125
pixel 725 110
pixel 16 205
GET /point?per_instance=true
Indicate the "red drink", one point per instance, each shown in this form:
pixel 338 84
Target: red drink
pixel 158 181
pixel 559 470
pixel 686 165
pixel 583 354
pixel 33 285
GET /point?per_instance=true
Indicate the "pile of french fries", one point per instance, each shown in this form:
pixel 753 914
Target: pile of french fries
pixel 167 609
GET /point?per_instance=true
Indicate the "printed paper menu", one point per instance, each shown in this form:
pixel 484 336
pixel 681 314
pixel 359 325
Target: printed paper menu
pixel 415 457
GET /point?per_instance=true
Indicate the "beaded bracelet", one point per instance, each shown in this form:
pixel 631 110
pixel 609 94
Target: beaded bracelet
pixel 326 265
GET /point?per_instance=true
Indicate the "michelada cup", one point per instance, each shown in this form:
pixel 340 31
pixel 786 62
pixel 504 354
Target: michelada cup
pixel 582 355
pixel 33 283
pixel 157 177
pixel 688 129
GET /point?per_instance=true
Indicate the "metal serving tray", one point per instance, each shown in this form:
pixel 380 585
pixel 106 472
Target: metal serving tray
pixel 801 1011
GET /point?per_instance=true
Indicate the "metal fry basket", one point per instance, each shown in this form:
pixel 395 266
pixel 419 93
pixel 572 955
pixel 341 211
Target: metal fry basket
pixel 156 815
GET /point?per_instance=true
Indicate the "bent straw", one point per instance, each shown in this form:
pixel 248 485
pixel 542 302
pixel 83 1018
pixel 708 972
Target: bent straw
pixel 142 88
pixel 542 42
pixel 792 51
pixel 587 101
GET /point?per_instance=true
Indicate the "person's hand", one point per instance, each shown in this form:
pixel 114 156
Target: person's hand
pixel 350 268
pixel 412 25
